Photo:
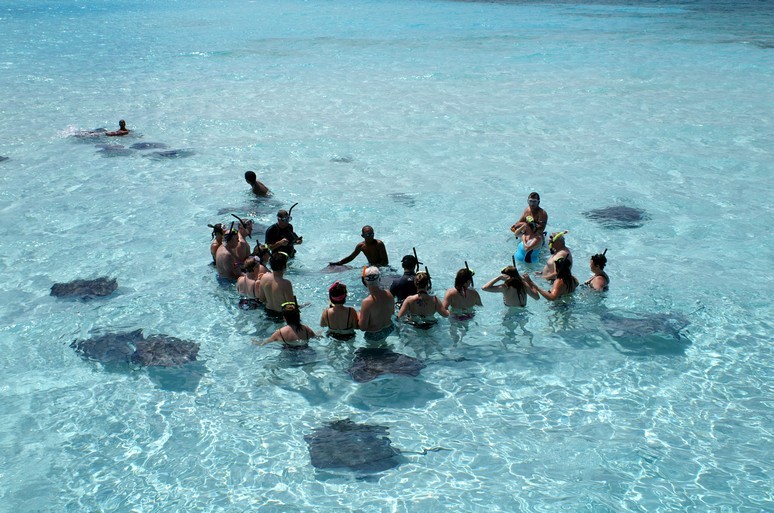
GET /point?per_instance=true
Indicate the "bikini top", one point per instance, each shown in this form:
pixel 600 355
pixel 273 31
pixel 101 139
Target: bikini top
pixel 349 324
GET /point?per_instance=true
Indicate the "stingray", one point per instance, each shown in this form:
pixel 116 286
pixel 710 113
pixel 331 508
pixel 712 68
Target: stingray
pixel 110 348
pixel 404 199
pixel 114 150
pixel 169 154
pixel 164 351
pixel 660 333
pixel 619 216
pixel 343 444
pixel 148 146
pixel 342 159
pixel 87 135
pixel 370 363
pixel 134 348
pixel 85 289
pixel 3 158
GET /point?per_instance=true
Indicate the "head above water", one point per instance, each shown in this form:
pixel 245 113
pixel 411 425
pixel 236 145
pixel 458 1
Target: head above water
pixel 556 241
pixel 337 293
pixel 422 281
pixel 372 276
pixel 121 124
pixel 283 216
pixel 409 262
pixel 600 260
pixel 463 278
pixel 533 199
pixel 278 261
pixel 250 265
pixel 367 232
pixel 217 230
pixel 291 314
pixel 250 177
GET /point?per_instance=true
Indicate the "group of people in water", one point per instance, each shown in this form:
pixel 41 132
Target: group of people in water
pixel 259 275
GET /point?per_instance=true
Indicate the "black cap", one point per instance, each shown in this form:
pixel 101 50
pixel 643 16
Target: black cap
pixel 408 261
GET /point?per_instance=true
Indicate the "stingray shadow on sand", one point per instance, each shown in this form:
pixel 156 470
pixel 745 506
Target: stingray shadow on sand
pixel 618 217
pixel 85 289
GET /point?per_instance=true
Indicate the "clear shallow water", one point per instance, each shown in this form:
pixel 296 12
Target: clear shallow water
pixel 450 113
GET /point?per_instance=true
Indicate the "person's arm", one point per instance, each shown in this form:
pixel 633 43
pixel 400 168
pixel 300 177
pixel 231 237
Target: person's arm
pixel 491 287
pixel 597 282
pixel 530 290
pixel 542 222
pixel 383 258
pixel 405 306
pixel 350 258
pixel 447 298
pixel 552 294
pixel 478 297
pixel 324 319
pixel 363 318
pixel 528 245
pixel 261 292
pixel 442 311
pixel 275 337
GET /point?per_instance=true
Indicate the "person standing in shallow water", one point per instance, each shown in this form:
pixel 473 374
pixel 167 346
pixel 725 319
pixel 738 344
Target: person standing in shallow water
pixel 274 289
pixel 422 306
pixel 372 248
pixel 281 237
pixel 122 130
pixel 564 283
pixel 538 214
pixel 461 299
pixel 340 320
pixel 377 308
pixel 513 288
pixel 257 187
pixel 404 286
pixel 600 280
pixel 225 262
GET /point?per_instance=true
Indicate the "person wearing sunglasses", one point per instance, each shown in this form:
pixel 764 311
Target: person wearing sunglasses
pixel 281 237
pixel 372 248
pixel 533 210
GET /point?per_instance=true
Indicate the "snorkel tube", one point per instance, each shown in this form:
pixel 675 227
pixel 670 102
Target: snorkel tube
pixel 298 240
pixel 416 268
pixel 244 225
pixel 471 273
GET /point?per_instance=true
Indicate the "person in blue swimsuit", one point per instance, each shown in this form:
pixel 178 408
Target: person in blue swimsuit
pixel 530 243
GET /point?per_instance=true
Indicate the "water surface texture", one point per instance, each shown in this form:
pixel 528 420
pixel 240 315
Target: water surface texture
pixel 431 121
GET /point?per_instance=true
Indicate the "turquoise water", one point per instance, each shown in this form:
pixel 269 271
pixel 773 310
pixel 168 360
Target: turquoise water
pixel 431 121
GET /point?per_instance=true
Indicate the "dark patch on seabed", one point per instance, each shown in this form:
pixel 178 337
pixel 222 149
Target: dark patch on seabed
pixel 370 363
pixel 343 444
pixel 135 348
pixel 85 289
pixel 618 217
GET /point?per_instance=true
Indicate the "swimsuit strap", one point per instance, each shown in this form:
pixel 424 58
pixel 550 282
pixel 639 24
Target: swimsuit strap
pixel 282 336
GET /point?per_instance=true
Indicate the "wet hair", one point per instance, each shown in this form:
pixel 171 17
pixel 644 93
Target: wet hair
pixel 337 293
pixel 534 195
pixel 422 281
pixel 278 261
pixel 260 251
pixel 250 176
pixel 250 265
pixel 463 276
pixel 600 260
pixel 564 272
pixel 514 279
pixel 122 124
pixel 230 233
pixel 217 229
pixel 292 315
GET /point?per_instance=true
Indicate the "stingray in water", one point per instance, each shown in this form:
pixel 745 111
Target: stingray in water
pixel 163 351
pixel 85 289
pixel 133 347
pixel 650 333
pixel 343 444
pixel 370 363
pixel 109 348
pixel 619 216
pixel 3 158
pixel 407 200
pixel 114 150
pixel 342 159
pixel 148 146
pixel 169 154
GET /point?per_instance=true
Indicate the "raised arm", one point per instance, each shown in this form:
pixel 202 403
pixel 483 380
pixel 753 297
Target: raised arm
pixel 351 257
pixel 491 287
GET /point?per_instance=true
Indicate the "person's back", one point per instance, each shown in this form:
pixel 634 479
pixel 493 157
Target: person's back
pixel 404 286
pixel 377 308
pixel 461 299
pixel 225 262
pixel 274 289
pixel 257 187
